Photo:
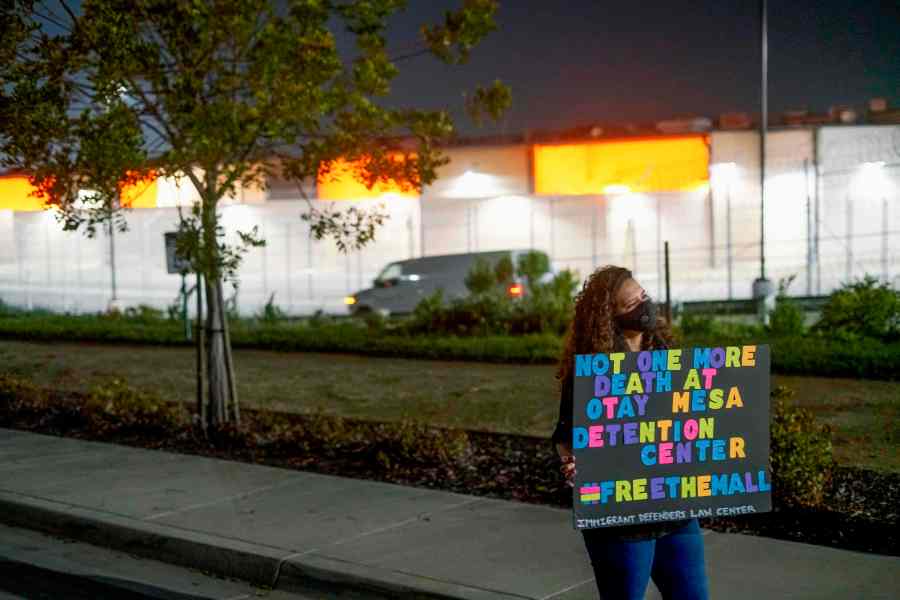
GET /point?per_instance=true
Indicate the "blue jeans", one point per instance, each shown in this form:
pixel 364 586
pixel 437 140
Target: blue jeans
pixel 675 562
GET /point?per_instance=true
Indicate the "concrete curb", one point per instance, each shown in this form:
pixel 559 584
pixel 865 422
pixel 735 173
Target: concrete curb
pixel 227 557
pixel 99 586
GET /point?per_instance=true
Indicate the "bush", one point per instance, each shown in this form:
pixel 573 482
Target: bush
pixel 546 307
pixel 800 453
pixel 142 313
pixel 173 310
pixel 271 313
pixel 480 279
pixel 503 271
pixel 115 405
pixel 411 442
pixel 697 325
pixel 706 330
pixel 394 443
pixel 786 319
pixel 375 322
pixel 863 308
pixel 432 333
pixel 531 266
pixel 17 393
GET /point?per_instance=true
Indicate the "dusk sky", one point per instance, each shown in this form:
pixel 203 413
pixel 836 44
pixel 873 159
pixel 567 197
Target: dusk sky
pixel 570 62
pixel 574 62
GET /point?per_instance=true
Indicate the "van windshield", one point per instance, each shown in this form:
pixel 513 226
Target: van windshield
pixel 392 271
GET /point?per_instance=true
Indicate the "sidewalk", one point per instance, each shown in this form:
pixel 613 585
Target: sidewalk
pixel 297 531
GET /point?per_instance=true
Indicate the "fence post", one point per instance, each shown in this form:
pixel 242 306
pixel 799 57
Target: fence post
pixel 668 289
pixel 809 249
pixel 421 226
pixel 659 274
pixel 593 233
pixel 287 266
pixel 849 242
pixel 885 273
pixel 309 264
pixel 201 341
pixel 729 259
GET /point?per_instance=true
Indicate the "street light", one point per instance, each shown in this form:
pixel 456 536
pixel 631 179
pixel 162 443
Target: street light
pixel 763 290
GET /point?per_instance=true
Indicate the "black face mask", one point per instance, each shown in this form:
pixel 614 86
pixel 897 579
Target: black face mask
pixel 640 318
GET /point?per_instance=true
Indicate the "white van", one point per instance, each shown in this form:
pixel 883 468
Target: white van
pixel 403 284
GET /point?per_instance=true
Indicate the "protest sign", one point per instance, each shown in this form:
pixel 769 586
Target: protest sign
pixel 662 435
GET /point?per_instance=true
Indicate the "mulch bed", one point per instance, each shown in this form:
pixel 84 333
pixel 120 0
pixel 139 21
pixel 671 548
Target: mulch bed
pixel 862 511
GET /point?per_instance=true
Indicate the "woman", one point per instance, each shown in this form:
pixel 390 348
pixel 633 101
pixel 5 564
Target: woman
pixel 614 314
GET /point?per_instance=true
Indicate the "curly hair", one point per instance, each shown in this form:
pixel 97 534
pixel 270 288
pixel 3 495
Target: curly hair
pixel 593 327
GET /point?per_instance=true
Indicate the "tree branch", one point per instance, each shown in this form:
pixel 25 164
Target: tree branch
pixel 68 10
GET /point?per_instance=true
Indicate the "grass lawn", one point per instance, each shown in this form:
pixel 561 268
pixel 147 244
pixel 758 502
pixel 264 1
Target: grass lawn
pixel 495 397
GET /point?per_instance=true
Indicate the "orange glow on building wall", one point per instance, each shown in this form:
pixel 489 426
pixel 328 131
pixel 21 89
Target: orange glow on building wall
pixel 341 184
pixel 15 194
pixel 141 193
pixel 670 164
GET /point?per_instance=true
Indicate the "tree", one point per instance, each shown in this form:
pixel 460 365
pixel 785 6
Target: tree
pixel 222 93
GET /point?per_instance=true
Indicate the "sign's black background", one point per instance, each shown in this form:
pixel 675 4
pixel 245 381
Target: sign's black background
pixel 624 462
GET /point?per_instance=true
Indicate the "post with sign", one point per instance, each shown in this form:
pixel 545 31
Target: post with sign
pixel 177 264
pixel 663 435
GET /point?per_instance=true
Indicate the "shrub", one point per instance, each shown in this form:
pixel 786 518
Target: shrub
pixel 115 405
pixel 375 322
pixel 697 325
pixel 862 308
pixel 7 310
pixel 411 442
pixel 786 319
pixel 705 329
pixel 800 453
pixel 428 313
pixel 503 271
pixel 173 310
pixel 393 443
pixel 547 308
pixel 564 284
pixel 17 393
pixel 271 313
pixel 531 266
pixel 482 314
pixel 144 313
pixel 480 279
pixel 807 355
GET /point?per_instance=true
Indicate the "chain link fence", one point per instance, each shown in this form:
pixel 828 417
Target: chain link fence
pixel 825 225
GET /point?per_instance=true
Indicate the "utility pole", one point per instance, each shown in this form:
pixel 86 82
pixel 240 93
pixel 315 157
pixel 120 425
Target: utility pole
pixel 763 290
pixel 763 126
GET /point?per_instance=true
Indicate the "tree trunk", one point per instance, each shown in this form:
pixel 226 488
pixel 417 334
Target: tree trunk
pixel 235 411
pixel 219 397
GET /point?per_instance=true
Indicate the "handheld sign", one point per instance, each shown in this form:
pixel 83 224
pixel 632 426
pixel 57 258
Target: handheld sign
pixel 174 262
pixel 662 435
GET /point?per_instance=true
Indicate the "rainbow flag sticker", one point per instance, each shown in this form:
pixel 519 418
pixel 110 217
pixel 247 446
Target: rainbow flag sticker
pixel 590 493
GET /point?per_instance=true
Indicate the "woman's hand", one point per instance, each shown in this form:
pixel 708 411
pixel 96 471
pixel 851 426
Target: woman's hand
pixel 568 463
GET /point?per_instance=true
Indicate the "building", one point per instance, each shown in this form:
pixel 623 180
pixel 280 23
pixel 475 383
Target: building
pixel 590 196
